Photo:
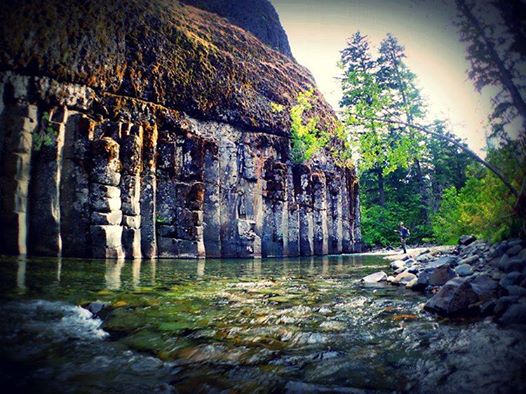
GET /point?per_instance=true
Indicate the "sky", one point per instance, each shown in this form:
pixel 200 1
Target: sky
pixel 318 30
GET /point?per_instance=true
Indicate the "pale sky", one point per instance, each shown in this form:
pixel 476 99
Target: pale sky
pixel 318 30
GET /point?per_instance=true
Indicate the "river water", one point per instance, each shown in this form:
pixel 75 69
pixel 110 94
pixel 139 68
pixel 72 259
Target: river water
pixel 272 325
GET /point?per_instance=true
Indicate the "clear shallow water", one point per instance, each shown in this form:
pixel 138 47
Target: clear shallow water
pixel 296 325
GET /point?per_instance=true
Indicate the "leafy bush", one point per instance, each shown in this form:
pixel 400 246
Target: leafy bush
pixel 306 139
pixel 483 207
pixel 46 136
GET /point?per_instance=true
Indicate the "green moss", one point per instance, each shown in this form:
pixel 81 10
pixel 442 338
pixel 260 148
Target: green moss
pixel 159 51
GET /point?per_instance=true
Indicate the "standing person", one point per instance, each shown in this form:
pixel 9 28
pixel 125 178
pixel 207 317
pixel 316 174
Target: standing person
pixel 404 234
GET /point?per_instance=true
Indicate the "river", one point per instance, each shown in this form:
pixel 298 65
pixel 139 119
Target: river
pixel 272 325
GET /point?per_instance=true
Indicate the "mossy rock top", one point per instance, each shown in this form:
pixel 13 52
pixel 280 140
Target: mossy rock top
pixel 160 51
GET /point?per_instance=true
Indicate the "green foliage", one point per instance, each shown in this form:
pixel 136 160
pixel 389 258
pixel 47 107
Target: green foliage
pixel 483 206
pixel 46 136
pixel 402 204
pixel 306 139
pixel 341 147
pixel 377 92
pixel 276 107
pixel 161 220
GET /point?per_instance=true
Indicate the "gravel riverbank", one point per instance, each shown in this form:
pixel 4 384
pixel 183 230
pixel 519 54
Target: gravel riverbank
pixel 473 279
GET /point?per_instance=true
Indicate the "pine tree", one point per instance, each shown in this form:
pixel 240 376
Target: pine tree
pixel 496 58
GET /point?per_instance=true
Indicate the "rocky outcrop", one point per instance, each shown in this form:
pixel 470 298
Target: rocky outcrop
pixel 256 16
pixel 475 279
pixel 167 145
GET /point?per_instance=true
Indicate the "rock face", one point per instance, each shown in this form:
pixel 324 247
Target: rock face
pixel 256 16
pixel 157 138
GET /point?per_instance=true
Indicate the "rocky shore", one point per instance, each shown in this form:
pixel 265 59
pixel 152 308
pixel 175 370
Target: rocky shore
pixel 474 279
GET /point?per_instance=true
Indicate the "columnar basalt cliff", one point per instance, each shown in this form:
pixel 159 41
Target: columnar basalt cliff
pixel 147 129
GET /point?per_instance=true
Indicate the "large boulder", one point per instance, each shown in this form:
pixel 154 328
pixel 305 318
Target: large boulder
pixel 484 287
pixel 455 297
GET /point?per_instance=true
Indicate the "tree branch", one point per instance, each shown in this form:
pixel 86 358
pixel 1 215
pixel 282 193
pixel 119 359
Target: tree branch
pixel 470 153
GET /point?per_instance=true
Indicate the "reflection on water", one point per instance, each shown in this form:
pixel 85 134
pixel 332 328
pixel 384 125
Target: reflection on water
pixel 21 274
pixel 136 272
pixel 297 324
pixel 113 274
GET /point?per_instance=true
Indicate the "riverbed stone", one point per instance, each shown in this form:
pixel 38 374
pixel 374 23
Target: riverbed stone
pixel 512 278
pixel 374 278
pixel 400 270
pixel 469 260
pixel 515 314
pixel 464 270
pixel 412 283
pixel 404 278
pixel 423 279
pixel 516 291
pixel 503 303
pixel 484 286
pixel 514 250
pixel 467 239
pixel 397 264
pixel 441 275
pixel 444 260
pixel 455 297
pixel 509 264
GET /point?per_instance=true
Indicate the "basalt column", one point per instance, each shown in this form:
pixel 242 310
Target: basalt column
pixel 131 159
pixel 105 198
pixel 303 190
pixel 167 155
pixel 319 195
pixel 19 121
pixel 334 213
pixel 190 198
pixel 46 167
pixel 293 229
pixel 275 219
pixel 249 200
pixel 347 207
pixel 149 192
pixel 74 187
pixel 211 208
pixel 180 196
